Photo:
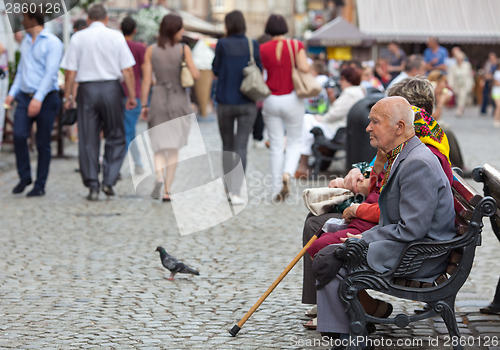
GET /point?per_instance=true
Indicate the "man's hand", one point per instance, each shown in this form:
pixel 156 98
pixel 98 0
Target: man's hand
pixel 336 183
pixel 7 103
pixel 131 103
pixel 34 107
pixel 352 179
pixel 70 104
pixel 144 113
pixel 350 212
pixel 350 235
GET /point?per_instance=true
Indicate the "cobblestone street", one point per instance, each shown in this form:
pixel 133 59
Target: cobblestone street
pixel 76 274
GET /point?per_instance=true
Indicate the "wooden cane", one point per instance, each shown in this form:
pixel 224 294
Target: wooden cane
pixel 290 266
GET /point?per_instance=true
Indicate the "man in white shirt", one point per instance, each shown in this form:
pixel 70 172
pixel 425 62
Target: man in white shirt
pixel 97 58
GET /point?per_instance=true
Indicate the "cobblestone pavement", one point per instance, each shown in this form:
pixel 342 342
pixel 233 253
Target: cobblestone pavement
pixel 76 274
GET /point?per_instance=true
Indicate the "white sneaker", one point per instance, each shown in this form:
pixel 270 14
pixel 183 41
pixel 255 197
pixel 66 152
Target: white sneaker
pixel 237 200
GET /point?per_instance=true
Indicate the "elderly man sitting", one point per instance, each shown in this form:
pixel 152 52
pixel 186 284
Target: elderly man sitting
pixel 416 204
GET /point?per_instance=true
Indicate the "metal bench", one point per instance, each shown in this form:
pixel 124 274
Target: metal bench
pixel 470 208
pixel 490 177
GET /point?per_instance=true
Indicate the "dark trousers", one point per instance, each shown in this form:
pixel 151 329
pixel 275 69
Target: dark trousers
pixel 258 126
pixel 487 96
pixel 22 130
pixel 235 143
pixel 100 108
pixel 311 226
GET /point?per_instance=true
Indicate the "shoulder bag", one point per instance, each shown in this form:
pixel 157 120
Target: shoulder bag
pixel 253 85
pixel 305 84
pixel 186 76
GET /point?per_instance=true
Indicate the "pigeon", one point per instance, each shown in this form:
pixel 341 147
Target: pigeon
pixel 174 265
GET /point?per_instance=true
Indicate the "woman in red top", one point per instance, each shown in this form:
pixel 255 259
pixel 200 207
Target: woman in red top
pixel 282 110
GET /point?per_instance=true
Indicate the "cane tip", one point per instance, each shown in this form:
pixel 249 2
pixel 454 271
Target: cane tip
pixel 234 330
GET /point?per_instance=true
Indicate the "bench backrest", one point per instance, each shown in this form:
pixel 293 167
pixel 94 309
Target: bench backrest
pixel 491 177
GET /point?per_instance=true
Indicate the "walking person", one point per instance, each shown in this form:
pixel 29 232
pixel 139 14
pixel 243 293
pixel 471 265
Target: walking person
pixel 232 54
pixel 36 91
pixel 129 29
pixel 461 80
pixel 490 66
pixel 97 58
pixel 169 101
pixel 495 95
pixel 283 110
pixel 4 87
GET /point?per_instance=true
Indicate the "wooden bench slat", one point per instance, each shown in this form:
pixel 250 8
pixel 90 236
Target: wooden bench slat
pixel 465 190
pixel 461 209
pixel 461 225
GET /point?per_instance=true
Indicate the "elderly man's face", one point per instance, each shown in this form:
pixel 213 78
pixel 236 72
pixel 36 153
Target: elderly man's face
pixel 381 128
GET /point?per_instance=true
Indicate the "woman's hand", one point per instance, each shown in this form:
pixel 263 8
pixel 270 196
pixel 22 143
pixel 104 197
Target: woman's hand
pixel 349 213
pixel 350 235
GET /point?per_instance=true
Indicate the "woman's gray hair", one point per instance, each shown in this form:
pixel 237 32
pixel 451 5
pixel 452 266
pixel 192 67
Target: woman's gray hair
pixel 418 91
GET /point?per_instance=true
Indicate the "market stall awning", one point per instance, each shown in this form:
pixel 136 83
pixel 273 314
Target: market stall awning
pixel 451 21
pixel 338 33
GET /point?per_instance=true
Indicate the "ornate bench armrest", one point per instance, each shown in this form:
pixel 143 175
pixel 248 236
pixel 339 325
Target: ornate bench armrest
pixel 353 252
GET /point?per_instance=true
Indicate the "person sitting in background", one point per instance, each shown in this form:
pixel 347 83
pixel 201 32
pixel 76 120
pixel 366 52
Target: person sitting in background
pixel 335 118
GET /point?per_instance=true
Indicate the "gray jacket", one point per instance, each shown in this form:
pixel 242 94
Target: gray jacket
pixel 416 204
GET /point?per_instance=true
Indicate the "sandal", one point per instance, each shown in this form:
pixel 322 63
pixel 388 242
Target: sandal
pixel 285 190
pixel 155 194
pixel 312 312
pixel 383 310
pixel 311 324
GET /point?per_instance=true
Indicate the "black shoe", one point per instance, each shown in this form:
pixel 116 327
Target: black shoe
pixel 93 195
pixel 36 192
pixel 21 186
pixel 108 190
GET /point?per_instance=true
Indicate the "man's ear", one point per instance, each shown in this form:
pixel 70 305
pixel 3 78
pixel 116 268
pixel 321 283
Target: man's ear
pixel 400 127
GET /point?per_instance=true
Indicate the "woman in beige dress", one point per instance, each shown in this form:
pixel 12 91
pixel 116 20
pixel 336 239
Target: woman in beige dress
pixel 169 101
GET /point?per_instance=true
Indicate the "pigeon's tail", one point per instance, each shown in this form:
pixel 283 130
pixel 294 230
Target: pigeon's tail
pixel 187 269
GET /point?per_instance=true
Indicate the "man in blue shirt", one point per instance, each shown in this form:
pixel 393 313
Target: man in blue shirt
pixel 35 89
pixel 435 55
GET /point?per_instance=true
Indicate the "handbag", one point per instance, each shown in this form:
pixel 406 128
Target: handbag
pixel 253 85
pixel 321 200
pixel 69 116
pixel 305 84
pixel 186 76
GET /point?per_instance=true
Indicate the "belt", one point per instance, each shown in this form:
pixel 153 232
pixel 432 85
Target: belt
pixel 31 94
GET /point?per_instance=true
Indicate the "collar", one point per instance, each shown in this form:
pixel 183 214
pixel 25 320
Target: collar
pixel 96 24
pixel 43 34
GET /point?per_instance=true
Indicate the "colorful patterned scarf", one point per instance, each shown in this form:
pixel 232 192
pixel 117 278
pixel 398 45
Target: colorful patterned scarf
pixel 391 157
pixel 429 132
